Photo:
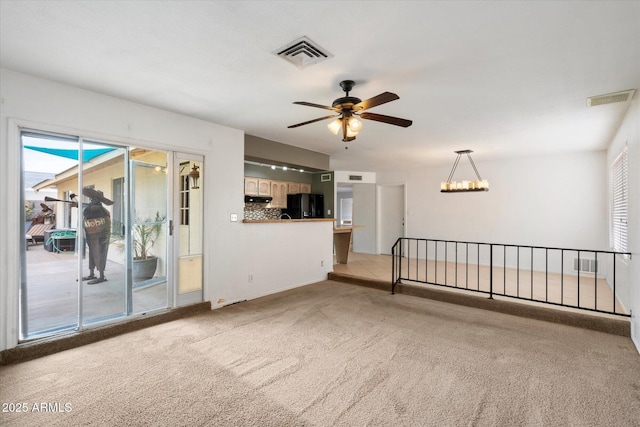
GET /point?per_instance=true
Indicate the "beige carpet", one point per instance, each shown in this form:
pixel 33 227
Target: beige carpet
pixel 336 354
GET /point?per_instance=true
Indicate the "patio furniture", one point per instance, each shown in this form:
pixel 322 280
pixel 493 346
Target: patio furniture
pixel 35 234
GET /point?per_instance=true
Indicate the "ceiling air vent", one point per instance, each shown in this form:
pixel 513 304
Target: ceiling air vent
pixel 610 98
pixel 303 52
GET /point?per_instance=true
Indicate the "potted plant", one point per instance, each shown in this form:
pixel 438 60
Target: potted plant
pixel 145 234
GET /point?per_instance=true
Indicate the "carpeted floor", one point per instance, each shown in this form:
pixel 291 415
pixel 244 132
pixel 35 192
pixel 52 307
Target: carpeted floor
pixel 334 354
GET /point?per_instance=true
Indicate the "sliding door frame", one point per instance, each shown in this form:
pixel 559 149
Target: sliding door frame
pixel 11 194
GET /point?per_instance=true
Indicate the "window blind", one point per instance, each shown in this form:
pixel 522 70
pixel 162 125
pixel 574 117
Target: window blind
pixel 619 202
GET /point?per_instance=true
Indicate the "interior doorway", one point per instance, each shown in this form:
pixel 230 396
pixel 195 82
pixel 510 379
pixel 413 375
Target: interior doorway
pixel 392 216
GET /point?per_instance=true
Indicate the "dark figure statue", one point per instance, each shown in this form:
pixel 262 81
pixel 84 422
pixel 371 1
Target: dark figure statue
pixel 42 215
pixel 97 230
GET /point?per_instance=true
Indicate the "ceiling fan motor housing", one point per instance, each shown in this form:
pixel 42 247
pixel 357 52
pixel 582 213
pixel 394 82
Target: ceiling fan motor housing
pixel 347 85
pixel 346 102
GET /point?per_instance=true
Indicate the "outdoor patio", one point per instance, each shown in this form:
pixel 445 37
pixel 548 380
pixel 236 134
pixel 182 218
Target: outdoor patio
pixel 52 291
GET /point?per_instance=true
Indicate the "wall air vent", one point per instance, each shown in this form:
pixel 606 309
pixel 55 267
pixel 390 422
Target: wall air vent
pixel 586 266
pixel 355 177
pixel 610 98
pixel 303 52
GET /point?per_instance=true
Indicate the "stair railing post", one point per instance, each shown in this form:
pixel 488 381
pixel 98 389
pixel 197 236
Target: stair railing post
pixel 491 271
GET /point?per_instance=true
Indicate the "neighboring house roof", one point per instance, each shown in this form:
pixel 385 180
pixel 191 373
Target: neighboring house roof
pixel 32 178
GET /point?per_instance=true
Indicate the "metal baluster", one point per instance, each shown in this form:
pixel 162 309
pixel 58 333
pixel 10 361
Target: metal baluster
pixel 504 270
pixel 466 285
pixel 614 283
pixel 546 274
pixel 595 282
pixel 478 267
pixel 518 272
pixel 446 261
pixel 578 305
pixel 531 269
pixel 456 274
pixel 436 263
pixel 490 271
pixel 562 276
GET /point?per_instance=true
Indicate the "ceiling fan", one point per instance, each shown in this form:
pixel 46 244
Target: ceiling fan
pixel 350 107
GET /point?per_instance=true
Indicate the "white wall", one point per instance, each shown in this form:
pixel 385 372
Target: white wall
pixel 629 135
pixel 285 255
pixel 56 107
pixel 556 201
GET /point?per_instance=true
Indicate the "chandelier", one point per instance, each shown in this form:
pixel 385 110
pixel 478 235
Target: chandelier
pixel 450 186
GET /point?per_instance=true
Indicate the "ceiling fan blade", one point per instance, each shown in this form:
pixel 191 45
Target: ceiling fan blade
pixel 383 98
pixel 312 121
pixel 386 119
pixel 311 104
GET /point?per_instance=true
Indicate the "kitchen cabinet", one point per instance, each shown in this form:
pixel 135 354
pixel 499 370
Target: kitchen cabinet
pixel 264 187
pixel 293 188
pixel 276 189
pixel 257 186
pixel 279 194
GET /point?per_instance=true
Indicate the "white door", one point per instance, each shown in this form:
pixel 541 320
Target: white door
pixel 391 216
pixel 188 227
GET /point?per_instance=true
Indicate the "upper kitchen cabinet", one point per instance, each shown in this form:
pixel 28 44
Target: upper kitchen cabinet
pixel 257 186
pixel 299 187
pixel 293 188
pixel 279 194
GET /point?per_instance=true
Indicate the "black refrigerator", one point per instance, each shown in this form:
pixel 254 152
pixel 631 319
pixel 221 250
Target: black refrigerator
pixel 302 206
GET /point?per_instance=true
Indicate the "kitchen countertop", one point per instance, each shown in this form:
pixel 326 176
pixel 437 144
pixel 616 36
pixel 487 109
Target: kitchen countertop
pixel 278 221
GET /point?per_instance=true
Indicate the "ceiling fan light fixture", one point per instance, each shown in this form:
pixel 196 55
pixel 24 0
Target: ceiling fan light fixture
pixel 335 126
pixel 351 133
pixel 355 125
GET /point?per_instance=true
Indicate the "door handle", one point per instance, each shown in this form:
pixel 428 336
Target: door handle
pixel 170 227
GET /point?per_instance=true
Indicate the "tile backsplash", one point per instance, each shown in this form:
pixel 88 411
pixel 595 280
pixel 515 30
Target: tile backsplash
pixel 258 211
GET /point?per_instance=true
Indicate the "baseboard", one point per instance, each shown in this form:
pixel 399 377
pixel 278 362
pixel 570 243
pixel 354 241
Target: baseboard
pixel 55 344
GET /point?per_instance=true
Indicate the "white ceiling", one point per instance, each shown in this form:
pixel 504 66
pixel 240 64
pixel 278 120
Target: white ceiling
pixel 500 78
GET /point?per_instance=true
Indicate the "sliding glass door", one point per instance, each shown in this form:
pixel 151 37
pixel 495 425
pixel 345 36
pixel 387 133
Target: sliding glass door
pixel 149 233
pixel 50 261
pixel 94 213
pixel 103 293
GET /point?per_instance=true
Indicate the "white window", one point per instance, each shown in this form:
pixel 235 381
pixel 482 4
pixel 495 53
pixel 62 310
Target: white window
pixel 619 202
